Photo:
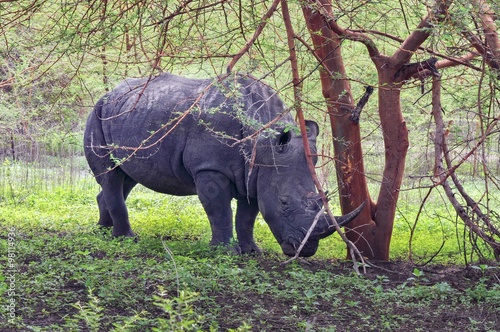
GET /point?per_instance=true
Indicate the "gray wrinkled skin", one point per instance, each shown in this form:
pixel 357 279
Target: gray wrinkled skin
pixel 176 136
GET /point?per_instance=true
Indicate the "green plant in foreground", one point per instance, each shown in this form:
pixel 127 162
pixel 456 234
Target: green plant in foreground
pixel 181 313
pixel 90 314
pixel 483 268
pixel 418 276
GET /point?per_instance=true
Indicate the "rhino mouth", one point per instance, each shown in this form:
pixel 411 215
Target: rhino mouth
pixel 291 245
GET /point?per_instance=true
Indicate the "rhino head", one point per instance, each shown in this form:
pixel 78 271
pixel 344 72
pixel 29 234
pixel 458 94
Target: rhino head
pixel 286 193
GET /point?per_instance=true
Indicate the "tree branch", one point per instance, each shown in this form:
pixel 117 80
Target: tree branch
pixel 324 8
pixel 362 102
pixel 490 49
pixel 297 89
pixel 440 151
pixel 418 69
pixel 256 35
pixel 450 61
pixel 463 60
pixel 420 34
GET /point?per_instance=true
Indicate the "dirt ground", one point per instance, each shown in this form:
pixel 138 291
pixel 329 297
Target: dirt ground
pixel 386 298
pixel 413 312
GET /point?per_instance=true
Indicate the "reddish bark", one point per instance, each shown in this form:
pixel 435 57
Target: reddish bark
pixel 352 184
pixel 491 47
pixel 396 145
pixel 372 230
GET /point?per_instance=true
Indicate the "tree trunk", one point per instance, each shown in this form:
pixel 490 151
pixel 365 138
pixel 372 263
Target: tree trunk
pixel 351 180
pixel 372 230
pixel 396 145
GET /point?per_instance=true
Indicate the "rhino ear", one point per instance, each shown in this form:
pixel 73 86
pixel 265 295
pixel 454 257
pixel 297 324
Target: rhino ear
pixel 312 129
pixel 284 138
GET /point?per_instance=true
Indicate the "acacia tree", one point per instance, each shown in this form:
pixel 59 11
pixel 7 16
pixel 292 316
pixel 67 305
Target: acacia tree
pixel 372 229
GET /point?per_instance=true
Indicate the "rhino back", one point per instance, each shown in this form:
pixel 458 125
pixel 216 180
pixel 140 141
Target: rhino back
pixel 165 130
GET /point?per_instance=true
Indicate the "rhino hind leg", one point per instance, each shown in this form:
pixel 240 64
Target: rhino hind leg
pixel 116 186
pixel 104 217
pixel 246 213
pixel 214 192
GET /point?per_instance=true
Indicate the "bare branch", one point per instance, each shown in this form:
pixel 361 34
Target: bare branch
pixel 362 102
pixel 182 9
pixel 449 61
pixel 297 90
pixel 441 150
pixel 463 60
pixel 417 69
pixel 420 34
pixel 256 35
pixel 297 85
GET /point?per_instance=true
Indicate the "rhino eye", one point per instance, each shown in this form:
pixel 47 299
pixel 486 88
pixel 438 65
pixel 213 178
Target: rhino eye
pixel 313 205
pixel 284 200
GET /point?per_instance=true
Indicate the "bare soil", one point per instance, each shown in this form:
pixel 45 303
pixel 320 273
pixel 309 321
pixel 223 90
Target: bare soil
pixel 377 313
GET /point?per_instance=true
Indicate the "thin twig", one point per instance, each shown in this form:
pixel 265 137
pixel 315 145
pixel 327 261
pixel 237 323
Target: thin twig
pixel 258 31
pixel 306 237
pixel 297 89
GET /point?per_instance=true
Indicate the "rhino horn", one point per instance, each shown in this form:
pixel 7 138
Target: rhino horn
pixel 321 232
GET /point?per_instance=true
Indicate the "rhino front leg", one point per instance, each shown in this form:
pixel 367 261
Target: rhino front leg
pixel 246 213
pixel 214 192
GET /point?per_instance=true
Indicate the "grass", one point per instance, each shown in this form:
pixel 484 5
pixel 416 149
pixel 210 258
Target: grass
pixel 63 274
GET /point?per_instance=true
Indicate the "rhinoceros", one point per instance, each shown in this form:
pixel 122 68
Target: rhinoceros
pixel 221 139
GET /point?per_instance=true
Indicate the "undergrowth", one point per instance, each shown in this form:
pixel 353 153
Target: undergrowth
pixel 61 273
pixel 53 199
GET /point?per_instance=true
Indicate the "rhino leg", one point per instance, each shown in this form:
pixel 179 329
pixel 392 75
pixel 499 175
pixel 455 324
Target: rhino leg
pixel 214 192
pixel 104 216
pixel 246 213
pixel 116 186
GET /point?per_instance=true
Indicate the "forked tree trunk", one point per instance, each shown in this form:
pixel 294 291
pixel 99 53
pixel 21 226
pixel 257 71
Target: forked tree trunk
pixel 372 230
